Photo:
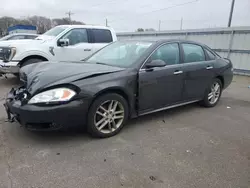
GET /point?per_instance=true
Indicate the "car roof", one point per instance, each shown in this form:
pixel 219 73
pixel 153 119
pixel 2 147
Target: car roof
pixel 84 26
pixel 161 41
pixel 31 34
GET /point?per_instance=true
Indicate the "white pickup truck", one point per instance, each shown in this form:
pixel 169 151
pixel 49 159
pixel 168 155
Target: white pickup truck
pixel 61 43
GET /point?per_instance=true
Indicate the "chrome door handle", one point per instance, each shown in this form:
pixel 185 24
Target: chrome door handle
pixel 209 67
pixel 87 50
pixel 178 72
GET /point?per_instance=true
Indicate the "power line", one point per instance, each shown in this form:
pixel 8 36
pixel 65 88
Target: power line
pixel 172 6
pixel 69 14
pixel 140 7
pixel 105 3
pixel 166 8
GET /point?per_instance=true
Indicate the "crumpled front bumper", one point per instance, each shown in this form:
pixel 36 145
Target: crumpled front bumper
pixel 9 67
pixel 46 117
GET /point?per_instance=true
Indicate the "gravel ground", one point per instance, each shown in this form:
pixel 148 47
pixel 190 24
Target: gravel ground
pixel 184 147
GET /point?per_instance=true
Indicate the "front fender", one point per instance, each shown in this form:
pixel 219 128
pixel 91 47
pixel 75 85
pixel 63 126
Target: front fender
pixel 23 55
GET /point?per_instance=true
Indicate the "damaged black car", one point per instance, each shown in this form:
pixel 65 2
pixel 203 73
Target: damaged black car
pixel 123 80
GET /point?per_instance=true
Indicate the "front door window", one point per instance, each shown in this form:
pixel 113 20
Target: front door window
pixel 76 36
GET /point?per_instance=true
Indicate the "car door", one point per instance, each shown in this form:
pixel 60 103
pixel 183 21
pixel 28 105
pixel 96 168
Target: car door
pixel 78 48
pixel 198 71
pixel 100 38
pixel 161 86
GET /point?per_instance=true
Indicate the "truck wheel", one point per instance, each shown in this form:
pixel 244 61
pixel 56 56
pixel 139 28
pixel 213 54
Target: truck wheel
pixel 107 115
pixel 31 61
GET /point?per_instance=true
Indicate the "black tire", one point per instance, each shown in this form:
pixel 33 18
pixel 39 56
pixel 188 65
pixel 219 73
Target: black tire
pixel 92 129
pixel 205 102
pixel 31 61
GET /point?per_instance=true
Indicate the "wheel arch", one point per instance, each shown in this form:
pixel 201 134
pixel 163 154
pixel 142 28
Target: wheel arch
pixel 221 79
pixel 117 90
pixel 32 57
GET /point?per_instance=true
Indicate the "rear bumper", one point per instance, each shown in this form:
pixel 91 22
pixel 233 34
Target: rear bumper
pixel 9 67
pixel 47 118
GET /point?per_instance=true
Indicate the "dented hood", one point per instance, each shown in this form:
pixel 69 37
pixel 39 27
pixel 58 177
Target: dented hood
pixel 46 74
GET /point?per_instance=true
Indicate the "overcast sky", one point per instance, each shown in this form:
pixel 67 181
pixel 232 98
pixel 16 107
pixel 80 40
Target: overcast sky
pixel 128 15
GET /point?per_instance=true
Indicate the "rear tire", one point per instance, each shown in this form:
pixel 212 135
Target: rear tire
pixel 107 115
pixel 213 94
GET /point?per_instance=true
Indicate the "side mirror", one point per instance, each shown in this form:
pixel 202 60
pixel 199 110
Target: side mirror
pixel 63 42
pixel 156 63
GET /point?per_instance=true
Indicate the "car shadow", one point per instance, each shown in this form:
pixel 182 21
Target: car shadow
pixel 58 137
pixel 80 134
pixel 162 116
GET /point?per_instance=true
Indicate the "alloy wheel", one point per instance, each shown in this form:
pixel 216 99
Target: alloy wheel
pixel 214 93
pixel 109 116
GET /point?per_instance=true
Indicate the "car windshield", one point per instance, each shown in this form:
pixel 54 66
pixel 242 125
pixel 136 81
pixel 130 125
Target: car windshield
pixel 120 54
pixel 55 31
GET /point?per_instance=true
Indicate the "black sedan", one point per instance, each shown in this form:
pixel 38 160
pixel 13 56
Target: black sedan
pixel 125 79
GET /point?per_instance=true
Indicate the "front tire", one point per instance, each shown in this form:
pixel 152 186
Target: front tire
pixel 213 94
pixel 107 115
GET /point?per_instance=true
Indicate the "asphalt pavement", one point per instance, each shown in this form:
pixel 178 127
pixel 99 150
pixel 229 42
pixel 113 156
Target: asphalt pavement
pixel 185 147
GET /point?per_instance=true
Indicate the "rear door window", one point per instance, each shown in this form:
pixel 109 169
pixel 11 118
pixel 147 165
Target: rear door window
pixel 210 55
pixel 193 53
pixel 102 36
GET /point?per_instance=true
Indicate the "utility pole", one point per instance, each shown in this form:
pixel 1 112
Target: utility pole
pixel 106 23
pixel 159 26
pixel 181 23
pixel 69 14
pixel 231 14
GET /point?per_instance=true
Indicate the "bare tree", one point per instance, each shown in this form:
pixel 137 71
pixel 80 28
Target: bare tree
pixel 150 29
pixel 65 21
pixel 42 23
pixel 6 22
pixel 147 29
pixel 140 30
